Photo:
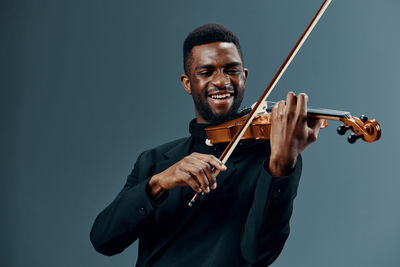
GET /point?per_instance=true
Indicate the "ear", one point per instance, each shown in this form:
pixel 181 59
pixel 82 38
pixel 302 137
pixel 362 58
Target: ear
pixel 186 83
pixel 246 73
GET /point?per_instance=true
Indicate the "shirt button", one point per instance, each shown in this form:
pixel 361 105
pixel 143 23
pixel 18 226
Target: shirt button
pixel 277 193
pixel 142 211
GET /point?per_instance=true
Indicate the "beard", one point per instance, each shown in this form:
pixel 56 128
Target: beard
pixel 205 111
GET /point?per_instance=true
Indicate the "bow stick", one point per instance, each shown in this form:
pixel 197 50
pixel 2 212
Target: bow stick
pixel 235 140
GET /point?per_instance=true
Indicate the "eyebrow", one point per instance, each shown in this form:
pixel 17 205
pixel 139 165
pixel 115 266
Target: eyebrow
pixel 232 64
pixel 207 66
pixel 228 65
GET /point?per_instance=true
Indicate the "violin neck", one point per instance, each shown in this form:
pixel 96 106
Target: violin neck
pixel 320 113
pixel 327 114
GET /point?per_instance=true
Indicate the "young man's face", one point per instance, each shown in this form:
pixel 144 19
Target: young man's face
pixel 216 80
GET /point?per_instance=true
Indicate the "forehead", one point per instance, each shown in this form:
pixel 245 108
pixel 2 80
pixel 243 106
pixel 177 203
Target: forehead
pixel 216 53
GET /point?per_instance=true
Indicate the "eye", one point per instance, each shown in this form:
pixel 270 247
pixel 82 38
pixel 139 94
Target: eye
pixel 205 73
pixel 232 71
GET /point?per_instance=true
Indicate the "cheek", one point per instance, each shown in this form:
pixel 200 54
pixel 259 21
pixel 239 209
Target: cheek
pixel 239 82
pixel 200 85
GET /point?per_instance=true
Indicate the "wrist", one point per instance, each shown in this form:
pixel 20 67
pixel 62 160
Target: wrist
pixel 155 190
pixel 281 166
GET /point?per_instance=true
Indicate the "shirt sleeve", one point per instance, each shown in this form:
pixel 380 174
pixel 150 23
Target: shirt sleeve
pixel 267 225
pixel 126 218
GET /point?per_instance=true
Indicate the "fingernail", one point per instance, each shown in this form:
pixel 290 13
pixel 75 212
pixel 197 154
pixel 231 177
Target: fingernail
pixel 213 186
pixel 207 190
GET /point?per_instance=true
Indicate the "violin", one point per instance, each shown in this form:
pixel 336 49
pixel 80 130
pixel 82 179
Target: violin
pixel 369 130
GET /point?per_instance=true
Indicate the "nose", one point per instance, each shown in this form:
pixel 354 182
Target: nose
pixel 221 80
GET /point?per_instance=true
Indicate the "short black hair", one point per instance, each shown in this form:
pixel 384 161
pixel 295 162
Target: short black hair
pixel 207 33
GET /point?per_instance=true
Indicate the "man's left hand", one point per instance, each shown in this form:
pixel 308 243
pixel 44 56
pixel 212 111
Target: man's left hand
pixel 291 133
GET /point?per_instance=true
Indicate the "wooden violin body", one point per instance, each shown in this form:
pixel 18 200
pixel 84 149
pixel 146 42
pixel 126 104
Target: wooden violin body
pixel 367 130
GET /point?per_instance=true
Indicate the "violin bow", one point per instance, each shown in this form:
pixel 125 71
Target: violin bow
pixel 235 140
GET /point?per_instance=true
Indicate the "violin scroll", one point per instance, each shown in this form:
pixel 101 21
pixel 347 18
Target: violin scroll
pixel 367 130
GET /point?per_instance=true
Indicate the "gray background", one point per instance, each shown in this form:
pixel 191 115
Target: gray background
pixel 87 85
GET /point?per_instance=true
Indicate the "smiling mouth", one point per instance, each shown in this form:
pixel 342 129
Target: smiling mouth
pixel 220 96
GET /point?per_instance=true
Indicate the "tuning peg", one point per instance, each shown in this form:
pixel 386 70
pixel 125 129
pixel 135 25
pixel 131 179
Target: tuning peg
pixel 342 129
pixel 353 138
pixel 363 118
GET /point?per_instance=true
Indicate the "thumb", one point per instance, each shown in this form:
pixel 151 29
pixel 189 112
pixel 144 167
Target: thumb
pixel 313 130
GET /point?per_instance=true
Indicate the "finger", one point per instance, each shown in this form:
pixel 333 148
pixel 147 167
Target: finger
pixel 277 113
pixel 209 171
pixel 291 101
pixel 280 108
pixel 211 174
pixel 189 180
pixel 274 110
pixel 301 109
pixel 210 159
pixel 199 175
pixel 207 163
pixel 314 126
pixel 315 123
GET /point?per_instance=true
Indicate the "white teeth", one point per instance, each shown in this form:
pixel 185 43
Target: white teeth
pixel 220 96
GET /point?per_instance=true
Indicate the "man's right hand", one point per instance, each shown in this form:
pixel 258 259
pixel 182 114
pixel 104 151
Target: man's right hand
pixel 194 170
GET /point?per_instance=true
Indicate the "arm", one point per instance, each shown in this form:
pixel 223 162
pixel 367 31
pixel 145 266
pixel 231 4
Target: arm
pixel 123 221
pixel 267 225
pixel 129 215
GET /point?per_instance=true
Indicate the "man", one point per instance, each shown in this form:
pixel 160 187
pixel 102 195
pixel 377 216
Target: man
pixel 243 219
